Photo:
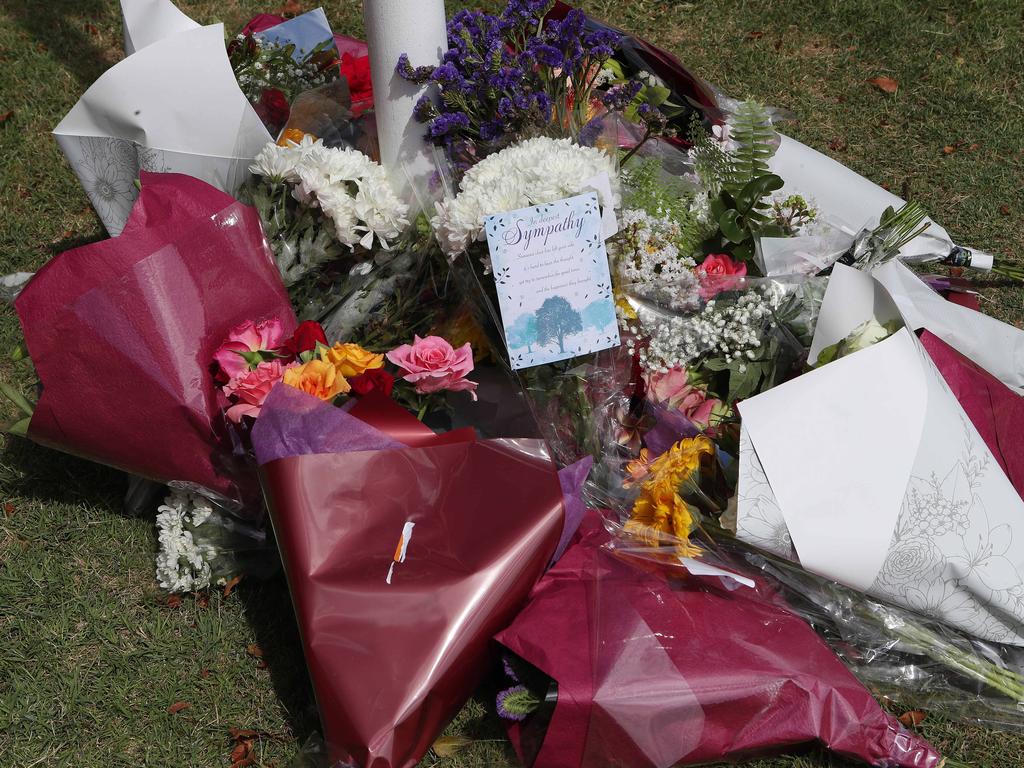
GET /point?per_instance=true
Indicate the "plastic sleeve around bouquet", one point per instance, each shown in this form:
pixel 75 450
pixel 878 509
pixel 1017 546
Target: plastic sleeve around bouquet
pixel 901 656
pixel 402 561
pixel 122 333
pixel 654 669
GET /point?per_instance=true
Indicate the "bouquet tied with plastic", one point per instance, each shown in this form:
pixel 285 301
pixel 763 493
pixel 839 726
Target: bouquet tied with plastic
pixel 405 552
pixel 122 334
pixel 616 661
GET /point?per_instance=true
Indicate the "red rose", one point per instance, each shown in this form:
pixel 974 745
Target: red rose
pixel 273 109
pixel 373 380
pixel 719 273
pixel 356 70
pixel 305 338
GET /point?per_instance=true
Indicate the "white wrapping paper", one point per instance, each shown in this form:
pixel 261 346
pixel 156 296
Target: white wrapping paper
pixel 146 21
pixel 173 106
pixel 869 472
pixel 394 27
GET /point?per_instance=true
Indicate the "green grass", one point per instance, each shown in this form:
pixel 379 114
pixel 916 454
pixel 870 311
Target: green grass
pixel 91 653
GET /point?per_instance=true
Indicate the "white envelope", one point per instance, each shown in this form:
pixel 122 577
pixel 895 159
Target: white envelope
pixel 173 106
pixel 873 473
pixel 146 21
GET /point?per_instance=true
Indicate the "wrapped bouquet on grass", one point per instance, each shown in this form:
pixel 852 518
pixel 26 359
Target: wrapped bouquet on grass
pixel 615 661
pixel 122 334
pixel 405 552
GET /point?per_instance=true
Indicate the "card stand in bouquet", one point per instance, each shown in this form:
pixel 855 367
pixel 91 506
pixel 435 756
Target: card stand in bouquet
pixel 122 333
pixel 405 552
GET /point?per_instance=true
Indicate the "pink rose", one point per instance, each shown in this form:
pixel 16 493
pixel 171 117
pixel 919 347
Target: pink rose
pixel 251 388
pixel 433 365
pixel 719 273
pixel 673 390
pixel 243 339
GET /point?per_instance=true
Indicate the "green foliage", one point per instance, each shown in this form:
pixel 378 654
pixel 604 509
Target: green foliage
pixel 650 188
pixel 751 129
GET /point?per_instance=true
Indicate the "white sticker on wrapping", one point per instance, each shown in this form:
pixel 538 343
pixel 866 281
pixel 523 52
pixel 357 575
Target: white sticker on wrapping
pixel 401 549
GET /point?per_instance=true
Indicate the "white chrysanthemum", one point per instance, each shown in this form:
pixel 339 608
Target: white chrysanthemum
pixel 351 189
pixel 531 172
pixel 183 565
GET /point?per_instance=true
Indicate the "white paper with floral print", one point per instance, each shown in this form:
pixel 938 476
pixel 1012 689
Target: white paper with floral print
pixel 819 457
pixel 173 106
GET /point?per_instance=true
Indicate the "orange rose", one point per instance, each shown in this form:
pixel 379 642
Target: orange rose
pixel 317 378
pixel 351 360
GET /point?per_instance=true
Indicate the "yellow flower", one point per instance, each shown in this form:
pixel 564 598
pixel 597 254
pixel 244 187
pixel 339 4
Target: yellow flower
pixel 624 306
pixel 294 135
pixel 317 378
pixel 660 514
pixel 351 360
pixel 637 469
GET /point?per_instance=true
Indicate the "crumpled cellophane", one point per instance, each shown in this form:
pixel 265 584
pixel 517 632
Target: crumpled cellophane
pixel 656 668
pixel 405 552
pixel 122 334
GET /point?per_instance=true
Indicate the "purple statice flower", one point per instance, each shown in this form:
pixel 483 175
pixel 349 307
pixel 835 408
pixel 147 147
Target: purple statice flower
pixel 618 97
pixel 448 122
pixel 591 132
pixel 516 703
pixel 506 664
pixel 407 71
pixel 601 43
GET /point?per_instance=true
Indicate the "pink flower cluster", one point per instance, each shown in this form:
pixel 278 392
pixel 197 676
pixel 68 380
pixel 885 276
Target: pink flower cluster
pixel 433 365
pixel 674 391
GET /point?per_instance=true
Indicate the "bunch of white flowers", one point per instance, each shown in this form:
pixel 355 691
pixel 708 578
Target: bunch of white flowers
pixel 352 190
pixel 646 250
pixel 531 172
pixel 733 330
pixel 183 565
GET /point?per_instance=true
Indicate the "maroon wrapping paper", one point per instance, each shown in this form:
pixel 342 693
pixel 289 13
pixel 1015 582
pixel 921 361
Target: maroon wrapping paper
pixel 393 663
pixel 122 334
pixel 654 672
pixel 995 410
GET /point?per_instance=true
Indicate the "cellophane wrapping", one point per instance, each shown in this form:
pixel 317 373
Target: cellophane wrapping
pixel 405 552
pixel 122 334
pixel 644 667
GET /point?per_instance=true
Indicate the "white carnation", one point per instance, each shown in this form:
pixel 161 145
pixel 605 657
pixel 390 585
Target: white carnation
pixel 528 173
pixel 183 565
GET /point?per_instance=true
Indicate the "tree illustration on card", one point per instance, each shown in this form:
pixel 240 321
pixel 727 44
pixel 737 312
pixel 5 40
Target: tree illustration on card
pixel 556 319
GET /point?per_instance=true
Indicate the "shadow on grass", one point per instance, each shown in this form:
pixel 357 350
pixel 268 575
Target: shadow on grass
pixel 34 472
pixel 68 30
pixel 270 614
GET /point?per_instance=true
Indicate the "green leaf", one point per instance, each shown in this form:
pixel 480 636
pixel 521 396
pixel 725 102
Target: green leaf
pixel 732 228
pixel 655 95
pixel 20 428
pixel 17 398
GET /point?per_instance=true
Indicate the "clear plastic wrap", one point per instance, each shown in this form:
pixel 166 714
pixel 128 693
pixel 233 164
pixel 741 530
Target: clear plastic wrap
pixel 899 655
pixel 639 666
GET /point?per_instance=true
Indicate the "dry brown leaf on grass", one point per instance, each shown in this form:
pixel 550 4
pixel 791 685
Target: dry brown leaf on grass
pixel 913 718
pixel 257 653
pixel 174 601
pixel 290 8
pixel 5 116
pixel 230 586
pixel 756 34
pixel 837 144
pixel 1004 210
pixel 178 706
pixel 885 84
pixel 949 149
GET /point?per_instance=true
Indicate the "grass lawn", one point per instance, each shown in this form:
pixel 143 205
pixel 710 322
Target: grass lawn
pixel 93 657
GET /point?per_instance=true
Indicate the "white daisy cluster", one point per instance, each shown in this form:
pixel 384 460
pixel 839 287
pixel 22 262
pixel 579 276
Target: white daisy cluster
pixel 352 190
pixel 646 250
pixel 531 172
pixel 183 565
pixel 733 331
